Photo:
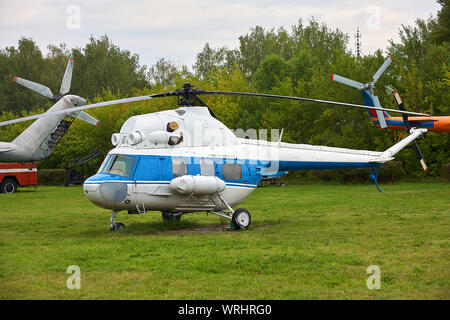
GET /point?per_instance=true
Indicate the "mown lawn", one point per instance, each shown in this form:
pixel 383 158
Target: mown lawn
pixel 305 242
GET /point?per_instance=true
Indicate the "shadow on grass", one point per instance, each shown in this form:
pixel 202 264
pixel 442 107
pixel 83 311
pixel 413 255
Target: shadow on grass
pixel 153 228
pixel 185 226
pixel 158 227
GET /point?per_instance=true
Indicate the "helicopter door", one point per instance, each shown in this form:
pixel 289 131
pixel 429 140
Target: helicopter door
pixel 148 169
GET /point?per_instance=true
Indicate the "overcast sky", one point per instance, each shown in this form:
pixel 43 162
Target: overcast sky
pixel 178 29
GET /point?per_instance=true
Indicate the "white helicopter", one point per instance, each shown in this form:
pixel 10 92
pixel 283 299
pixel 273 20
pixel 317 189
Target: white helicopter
pixel 185 160
pixel 39 139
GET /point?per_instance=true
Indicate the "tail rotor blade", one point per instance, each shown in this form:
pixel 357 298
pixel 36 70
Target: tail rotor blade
pixel 420 156
pixel 65 84
pixel 351 83
pixel 383 68
pixel 36 87
pixel 399 103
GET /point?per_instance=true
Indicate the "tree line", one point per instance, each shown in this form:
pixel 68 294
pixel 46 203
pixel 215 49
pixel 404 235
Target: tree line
pixel 296 61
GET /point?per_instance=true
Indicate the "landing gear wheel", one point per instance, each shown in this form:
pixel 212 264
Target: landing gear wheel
pixel 117 226
pixel 241 218
pixel 8 186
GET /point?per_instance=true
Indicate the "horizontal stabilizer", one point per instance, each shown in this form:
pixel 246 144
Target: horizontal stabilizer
pixel 88 118
pixel 381 160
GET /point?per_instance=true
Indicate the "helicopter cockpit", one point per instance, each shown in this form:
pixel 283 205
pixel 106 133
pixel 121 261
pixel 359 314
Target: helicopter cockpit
pixel 120 165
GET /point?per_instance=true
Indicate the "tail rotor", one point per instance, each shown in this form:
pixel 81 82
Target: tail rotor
pixel 368 87
pixel 65 88
pixel 44 90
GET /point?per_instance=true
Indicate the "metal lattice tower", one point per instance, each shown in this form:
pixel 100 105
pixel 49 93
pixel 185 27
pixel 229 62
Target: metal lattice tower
pixel 358 43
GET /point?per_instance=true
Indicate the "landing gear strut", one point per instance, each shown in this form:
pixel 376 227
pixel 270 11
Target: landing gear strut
pixel 240 218
pixel 115 225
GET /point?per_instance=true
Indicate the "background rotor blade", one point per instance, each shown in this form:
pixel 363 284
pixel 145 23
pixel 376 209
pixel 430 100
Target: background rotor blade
pixel 351 83
pixel 380 113
pixel 383 68
pixel 67 79
pixel 36 87
pixel 264 95
pixel 70 110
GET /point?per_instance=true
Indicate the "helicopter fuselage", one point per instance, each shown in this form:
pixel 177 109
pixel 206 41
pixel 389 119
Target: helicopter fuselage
pixel 185 160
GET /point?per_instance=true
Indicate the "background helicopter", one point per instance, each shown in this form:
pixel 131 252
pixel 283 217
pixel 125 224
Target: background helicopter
pixel 39 139
pixel 385 121
pixel 185 160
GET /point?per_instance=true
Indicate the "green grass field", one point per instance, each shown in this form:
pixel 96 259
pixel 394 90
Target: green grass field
pixel 305 242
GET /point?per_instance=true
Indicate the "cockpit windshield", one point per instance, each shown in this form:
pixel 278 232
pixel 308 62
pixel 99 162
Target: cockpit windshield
pixel 120 165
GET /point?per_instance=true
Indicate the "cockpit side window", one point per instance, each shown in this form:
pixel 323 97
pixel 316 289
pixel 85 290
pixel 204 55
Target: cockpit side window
pixel 105 163
pixel 120 165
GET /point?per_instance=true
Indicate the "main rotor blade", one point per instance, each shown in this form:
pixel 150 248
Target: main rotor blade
pixel 349 82
pixel 90 106
pixel 311 100
pixel 67 79
pixel 36 87
pixel 383 68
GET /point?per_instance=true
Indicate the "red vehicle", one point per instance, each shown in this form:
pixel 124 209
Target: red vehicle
pixel 13 175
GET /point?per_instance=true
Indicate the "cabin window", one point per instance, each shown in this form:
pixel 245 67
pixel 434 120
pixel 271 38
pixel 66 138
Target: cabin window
pixel 231 171
pixel 120 165
pixel 179 167
pixel 207 167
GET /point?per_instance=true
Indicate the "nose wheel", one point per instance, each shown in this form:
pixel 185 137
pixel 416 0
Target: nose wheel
pixel 115 225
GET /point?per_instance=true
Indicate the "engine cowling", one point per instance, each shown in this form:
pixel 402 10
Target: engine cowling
pixel 202 185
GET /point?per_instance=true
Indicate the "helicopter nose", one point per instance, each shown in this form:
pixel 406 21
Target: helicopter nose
pixel 114 192
pixel 105 193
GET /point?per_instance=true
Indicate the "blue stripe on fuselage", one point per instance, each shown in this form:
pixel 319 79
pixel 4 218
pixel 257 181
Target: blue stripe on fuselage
pixel 312 165
pixel 251 169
